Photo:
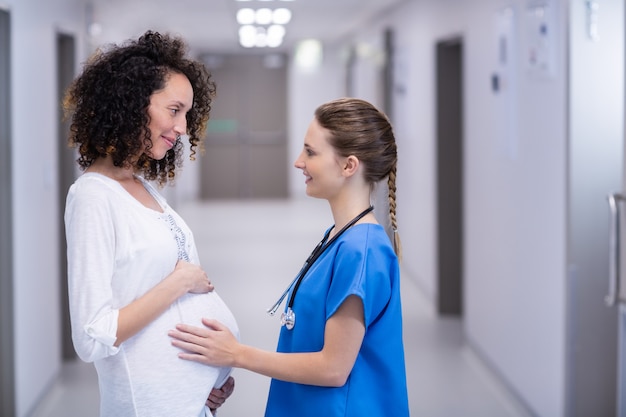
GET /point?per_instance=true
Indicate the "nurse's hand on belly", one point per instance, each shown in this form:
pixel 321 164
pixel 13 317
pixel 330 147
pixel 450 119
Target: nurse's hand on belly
pixel 214 344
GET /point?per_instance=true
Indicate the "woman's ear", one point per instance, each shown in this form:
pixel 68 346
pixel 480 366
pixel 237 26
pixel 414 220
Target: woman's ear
pixel 350 165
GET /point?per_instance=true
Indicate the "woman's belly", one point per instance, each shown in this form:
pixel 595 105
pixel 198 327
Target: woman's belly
pixel 148 367
pixel 194 307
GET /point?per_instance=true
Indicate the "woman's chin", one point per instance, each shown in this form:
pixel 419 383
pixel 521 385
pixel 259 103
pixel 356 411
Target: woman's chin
pixel 157 156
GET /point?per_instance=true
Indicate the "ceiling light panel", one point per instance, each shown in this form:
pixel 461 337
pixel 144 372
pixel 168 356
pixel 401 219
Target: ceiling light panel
pixel 263 26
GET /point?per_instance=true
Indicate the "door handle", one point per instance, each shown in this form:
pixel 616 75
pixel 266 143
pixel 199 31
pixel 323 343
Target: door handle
pixel 614 248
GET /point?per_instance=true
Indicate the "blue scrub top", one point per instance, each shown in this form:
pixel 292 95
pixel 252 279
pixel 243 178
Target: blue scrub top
pixel 360 262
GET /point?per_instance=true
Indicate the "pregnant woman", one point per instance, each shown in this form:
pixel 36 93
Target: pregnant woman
pixel 133 267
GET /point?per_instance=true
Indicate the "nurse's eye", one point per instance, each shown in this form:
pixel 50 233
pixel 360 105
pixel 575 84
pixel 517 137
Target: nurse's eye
pixel 174 111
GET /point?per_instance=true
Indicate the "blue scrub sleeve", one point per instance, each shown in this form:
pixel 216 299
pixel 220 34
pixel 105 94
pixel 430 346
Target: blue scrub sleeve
pixel 362 269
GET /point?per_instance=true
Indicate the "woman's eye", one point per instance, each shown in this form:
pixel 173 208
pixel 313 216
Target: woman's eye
pixel 174 111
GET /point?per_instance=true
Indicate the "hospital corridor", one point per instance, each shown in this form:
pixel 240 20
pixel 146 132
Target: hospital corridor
pixel 508 117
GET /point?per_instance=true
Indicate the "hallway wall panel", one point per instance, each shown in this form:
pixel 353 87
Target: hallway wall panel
pixel 36 216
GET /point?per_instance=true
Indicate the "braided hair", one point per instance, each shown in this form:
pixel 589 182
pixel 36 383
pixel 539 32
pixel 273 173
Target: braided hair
pixel 357 128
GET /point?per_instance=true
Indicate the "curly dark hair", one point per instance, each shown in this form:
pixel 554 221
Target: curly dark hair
pixel 109 101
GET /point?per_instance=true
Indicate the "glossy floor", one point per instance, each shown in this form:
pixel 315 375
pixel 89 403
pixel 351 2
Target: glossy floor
pixel 251 251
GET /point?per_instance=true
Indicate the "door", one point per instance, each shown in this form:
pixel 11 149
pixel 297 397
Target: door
pixel 616 294
pixel 596 166
pixel 246 144
pixel 7 371
pixel 67 174
pixel 450 176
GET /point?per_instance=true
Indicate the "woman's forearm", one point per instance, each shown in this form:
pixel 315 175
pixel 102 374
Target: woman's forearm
pixel 145 309
pixel 185 278
pixel 331 366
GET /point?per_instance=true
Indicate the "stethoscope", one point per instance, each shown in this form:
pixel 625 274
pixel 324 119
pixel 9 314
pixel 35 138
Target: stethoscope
pixel 288 318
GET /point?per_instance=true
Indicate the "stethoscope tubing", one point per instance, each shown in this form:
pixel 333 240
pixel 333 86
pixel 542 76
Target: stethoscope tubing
pixel 288 317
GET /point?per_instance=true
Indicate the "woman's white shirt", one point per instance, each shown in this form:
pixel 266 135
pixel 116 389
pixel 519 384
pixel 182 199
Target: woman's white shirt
pixel 118 249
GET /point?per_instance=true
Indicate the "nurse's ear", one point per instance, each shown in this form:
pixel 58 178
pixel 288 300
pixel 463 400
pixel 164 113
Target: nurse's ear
pixel 350 166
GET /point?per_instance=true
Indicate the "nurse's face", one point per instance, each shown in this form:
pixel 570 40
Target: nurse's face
pixel 320 164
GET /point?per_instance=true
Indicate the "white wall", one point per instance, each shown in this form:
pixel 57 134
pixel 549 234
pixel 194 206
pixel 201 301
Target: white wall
pixel 307 89
pixel 37 222
pixel 516 216
pixel 515 185
pixel 186 186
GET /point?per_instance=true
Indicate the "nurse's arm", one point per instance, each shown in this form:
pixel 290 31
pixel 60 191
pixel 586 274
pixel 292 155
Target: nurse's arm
pixel 331 366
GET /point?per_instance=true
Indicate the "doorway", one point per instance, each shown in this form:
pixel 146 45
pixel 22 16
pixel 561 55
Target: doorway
pixel 246 146
pixel 449 155
pixel 7 370
pixel 66 49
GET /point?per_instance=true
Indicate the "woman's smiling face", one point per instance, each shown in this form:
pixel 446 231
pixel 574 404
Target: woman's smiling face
pixel 167 111
pixel 320 163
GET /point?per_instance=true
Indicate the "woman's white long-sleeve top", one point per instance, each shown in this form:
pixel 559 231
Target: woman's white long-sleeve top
pixel 119 249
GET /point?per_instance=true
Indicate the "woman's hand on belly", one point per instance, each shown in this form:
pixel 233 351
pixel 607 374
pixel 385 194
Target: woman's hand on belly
pixel 219 395
pixel 192 277
pixel 185 278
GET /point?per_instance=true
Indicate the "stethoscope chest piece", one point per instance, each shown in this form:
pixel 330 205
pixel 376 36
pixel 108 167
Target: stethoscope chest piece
pixel 288 319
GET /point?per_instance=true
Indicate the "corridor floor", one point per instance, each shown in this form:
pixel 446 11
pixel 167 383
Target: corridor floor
pixel 251 251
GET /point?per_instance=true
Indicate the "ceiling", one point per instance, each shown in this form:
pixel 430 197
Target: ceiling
pixel 209 26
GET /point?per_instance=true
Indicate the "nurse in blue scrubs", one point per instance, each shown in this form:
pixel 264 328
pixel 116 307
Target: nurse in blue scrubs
pixel 340 351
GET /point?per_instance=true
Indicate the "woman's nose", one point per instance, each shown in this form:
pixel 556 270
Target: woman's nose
pixel 181 126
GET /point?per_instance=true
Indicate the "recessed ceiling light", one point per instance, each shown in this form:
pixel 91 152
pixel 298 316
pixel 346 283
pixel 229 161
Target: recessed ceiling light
pixel 281 16
pixel 245 16
pixel 309 54
pixel 264 16
pixel 247 36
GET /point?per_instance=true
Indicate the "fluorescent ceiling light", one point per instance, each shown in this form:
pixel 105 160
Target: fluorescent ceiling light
pixel 281 16
pixel 257 36
pixel 275 35
pixel 245 16
pixel 309 54
pixel 247 36
pixel 262 27
pixel 276 31
pixel 264 16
